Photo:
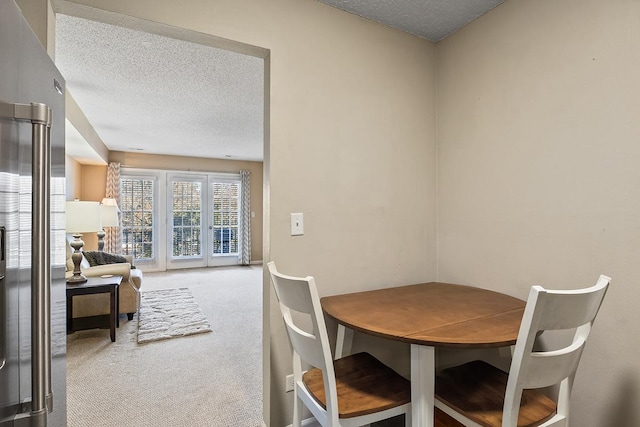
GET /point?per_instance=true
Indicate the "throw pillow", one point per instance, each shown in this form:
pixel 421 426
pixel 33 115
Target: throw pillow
pixel 102 258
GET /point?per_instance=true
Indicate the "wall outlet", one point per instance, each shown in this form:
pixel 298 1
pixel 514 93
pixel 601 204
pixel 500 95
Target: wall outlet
pixel 288 384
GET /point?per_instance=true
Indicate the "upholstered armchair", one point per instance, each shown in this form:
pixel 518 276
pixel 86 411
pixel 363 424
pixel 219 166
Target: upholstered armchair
pixel 98 304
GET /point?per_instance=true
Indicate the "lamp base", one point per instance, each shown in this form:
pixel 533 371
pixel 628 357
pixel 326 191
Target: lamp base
pixel 74 280
pixel 101 235
pixel 76 257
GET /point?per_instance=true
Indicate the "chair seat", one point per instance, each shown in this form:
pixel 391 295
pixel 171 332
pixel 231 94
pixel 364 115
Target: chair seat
pixel 364 384
pixel 442 419
pixel 476 390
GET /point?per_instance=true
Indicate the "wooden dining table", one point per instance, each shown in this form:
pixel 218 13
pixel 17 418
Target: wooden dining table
pixel 427 316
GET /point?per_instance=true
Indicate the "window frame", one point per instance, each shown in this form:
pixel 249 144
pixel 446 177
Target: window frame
pixel 157 254
pixel 225 180
pixel 161 230
pixel 181 260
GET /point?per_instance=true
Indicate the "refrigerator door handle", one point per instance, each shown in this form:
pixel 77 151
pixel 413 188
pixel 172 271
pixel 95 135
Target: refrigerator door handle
pixel 42 397
pixel 40 117
pixel 3 291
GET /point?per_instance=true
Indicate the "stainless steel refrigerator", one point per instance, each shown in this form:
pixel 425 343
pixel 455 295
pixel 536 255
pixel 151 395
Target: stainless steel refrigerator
pixel 32 239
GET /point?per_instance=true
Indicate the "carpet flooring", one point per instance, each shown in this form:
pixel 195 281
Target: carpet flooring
pixel 204 380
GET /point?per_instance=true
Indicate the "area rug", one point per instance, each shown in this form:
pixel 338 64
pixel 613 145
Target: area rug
pixel 169 313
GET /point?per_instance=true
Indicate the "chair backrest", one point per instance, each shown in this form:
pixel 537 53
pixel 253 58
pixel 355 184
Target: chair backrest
pixel 303 318
pixel 551 310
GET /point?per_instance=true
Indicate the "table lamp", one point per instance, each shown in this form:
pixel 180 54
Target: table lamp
pixel 82 217
pixel 109 212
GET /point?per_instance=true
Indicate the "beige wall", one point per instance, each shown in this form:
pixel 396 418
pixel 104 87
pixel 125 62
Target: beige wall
pixel 39 14
pixel 75 116
pixel 93 181
pixel 73 171
pixel 352 146
pixel 538 124
pixel 85 183
pixel 198 164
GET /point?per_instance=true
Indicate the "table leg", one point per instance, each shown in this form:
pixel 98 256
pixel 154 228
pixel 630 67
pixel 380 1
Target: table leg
pixel 117 306
pixel 69 314
pixel 423 370
pixel 343 341
pixel 112 314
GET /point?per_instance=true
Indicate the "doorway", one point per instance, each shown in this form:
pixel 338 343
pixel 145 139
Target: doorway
pixel 186 35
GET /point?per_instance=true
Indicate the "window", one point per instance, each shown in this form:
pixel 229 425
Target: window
pixel 136 204
pixel 226 205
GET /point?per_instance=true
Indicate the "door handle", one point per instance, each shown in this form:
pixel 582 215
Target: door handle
pixel 40 116
pixel 42 397
pixel 3 298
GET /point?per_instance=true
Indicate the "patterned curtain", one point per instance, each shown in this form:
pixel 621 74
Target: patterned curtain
pixel 244 257
pixel 113 238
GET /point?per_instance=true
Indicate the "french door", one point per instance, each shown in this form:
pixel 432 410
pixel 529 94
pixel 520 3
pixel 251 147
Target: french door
pixel 203 220
pixel 197 215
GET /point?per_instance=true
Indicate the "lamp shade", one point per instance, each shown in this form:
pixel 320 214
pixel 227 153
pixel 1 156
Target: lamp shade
pixel 109 215
pixel 109 201
pixel 83 217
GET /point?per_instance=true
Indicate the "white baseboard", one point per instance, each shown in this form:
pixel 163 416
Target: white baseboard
pixel 258 262
pixel 309 422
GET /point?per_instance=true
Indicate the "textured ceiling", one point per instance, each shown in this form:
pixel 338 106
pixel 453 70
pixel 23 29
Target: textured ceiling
pixel 431 19
pixel 148 93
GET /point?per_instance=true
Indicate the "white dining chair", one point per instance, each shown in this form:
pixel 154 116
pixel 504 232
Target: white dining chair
pixel 352 391
pixel 478 394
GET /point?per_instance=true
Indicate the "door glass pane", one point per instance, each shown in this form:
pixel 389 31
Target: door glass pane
pixel 225 218
pixel 187 227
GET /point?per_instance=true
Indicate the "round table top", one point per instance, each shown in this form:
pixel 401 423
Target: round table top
pixel 433 314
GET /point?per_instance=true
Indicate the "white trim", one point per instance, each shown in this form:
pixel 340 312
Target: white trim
pixel 224 176
pixel 309 422
pixel 183 173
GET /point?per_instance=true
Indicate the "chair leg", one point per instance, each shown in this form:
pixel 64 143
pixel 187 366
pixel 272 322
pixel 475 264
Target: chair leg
pixel 297 422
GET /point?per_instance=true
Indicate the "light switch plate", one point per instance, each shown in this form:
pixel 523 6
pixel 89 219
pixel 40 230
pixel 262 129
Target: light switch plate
pixel 297 224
